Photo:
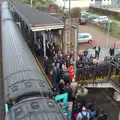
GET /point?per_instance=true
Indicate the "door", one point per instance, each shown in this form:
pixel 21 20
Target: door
pixel 80 38
pixel 86 38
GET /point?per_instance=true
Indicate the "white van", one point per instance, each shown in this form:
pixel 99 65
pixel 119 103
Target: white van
pixel 84 37
pixel 102 19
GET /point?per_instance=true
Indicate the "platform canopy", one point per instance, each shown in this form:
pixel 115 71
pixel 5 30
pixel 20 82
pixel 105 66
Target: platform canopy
pixel 36 19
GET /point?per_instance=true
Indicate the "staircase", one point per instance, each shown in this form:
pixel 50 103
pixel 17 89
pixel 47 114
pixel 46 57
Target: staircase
pixel 112 83
pixel 99 85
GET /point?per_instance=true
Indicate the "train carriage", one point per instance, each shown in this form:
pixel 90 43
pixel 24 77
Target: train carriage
pixel 35 108
pixel 21 73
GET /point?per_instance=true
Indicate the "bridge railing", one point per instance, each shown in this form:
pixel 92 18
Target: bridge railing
pixel 98 73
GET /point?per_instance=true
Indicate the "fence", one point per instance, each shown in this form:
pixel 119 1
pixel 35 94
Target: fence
pixel 103 71
pixel 106 6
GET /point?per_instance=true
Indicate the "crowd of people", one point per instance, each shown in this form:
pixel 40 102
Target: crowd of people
pixel 60 70
pixel 86 110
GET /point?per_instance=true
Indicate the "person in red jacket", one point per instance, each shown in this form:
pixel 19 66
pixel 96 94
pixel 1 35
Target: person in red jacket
pixel 70 70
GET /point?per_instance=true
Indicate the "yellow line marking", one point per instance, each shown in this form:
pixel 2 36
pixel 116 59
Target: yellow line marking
pixel 98 79
pixel 43 71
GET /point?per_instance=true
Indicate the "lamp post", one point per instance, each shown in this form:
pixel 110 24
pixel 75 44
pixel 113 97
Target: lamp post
pixel 107 40
pixel 75 47
pixel 31 3
pixel 69 6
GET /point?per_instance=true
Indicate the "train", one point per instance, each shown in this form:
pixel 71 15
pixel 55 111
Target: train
pixel 26 90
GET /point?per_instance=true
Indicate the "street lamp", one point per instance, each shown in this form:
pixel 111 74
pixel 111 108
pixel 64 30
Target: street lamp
pixel 31 2
pixel 69 6
pixel 75 47
pixel 107 40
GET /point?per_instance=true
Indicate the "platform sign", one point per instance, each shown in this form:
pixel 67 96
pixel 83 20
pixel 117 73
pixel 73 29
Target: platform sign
pixel 6 108
pixel 66 108
pixel 63 97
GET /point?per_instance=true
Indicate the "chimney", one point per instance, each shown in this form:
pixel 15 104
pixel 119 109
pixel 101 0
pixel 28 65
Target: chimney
pixel 52 9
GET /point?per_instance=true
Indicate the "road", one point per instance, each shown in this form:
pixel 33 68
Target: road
pixel 99 37
pixel 1 78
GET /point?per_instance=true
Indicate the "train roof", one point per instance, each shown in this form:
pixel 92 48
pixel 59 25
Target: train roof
pixel 21 72
pixel 35 108
pixel 5 12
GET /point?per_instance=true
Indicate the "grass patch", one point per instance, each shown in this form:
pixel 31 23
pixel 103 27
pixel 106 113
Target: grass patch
pixel 117 17
pixel 96 13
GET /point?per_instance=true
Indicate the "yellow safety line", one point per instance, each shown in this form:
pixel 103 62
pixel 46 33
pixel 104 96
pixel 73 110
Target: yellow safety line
pixel 98 79
pixel 43 71
pixel 87 81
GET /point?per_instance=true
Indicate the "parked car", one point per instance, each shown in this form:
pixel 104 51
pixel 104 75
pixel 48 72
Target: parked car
pixel 85 14
pixel 82 21
pixel 101 19
pixel 84 37
pixel 92 17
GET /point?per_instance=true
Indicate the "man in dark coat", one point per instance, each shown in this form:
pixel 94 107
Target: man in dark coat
pixel 46 65
pixel 68 90
pixel 112 51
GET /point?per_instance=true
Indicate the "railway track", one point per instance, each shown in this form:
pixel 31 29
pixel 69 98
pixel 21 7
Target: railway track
pixel 1 77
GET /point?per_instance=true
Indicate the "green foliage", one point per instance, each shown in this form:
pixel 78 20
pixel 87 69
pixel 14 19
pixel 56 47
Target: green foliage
pixel 75 12
pixel 117 17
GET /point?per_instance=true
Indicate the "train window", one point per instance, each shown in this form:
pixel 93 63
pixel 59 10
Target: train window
pixel 41 84
pixel 18 111
pixel 50 104
pixel 28 84
pixel 35 105
pixel 15 88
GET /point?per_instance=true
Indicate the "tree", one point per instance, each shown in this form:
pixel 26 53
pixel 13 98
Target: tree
pixel 75 12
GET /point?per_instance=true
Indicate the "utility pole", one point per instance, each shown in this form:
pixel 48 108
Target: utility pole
pixel 75 51
pixel 75 48
pixel 69 6
pixel 107 40
pixel 31 3
pixel 64 6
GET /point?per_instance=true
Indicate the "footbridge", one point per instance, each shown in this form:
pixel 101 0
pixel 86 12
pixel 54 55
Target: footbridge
pixel 103 75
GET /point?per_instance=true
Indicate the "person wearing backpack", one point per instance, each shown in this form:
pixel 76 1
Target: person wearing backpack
pixel 84 115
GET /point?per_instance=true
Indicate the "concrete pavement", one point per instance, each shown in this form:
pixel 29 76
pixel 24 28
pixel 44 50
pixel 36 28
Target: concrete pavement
pixel 104 52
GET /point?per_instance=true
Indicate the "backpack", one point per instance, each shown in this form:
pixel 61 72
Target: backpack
pixel 84 116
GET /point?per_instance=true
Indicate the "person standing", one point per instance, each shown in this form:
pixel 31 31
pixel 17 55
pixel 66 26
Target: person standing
pixel 46 65
pixel 97 51
pixel 68 89
pixel 74 85
pixel 112 51
pixel 84 115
